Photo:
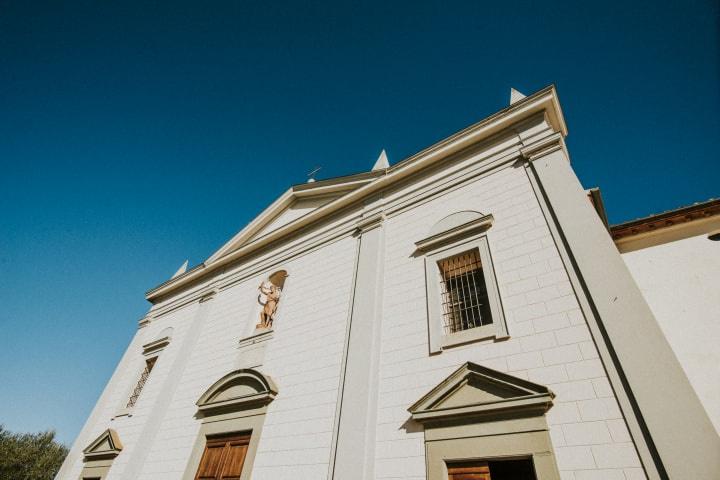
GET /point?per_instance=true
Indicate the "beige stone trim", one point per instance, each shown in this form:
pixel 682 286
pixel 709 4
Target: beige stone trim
pixel 543 102
pixel 455 233
pixel 156 346
pixel 535 445
pixel 481 414
pixel 238 390
pixel 446 244
pixel 248 422
pixel 99 455
pixel 237 403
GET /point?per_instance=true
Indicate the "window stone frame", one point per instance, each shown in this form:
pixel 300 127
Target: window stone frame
pixel 149 351
pixel 455 239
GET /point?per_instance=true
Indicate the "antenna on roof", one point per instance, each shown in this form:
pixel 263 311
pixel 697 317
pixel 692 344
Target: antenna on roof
pixel 311 175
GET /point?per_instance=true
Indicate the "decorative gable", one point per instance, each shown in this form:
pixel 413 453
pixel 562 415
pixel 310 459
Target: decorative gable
pixel 239 390
pixel 296 203
pixel 107 445
pixel 482 394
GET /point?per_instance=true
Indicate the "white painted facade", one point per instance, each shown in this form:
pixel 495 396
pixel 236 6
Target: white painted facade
pixel 680 280
pixel 355 307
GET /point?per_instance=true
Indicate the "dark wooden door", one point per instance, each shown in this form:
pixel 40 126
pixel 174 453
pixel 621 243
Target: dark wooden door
pixel 223 458
pixel 511 469
pixel 469 471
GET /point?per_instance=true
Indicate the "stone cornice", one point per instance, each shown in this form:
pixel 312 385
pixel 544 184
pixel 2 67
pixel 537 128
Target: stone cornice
pixel 544 147
pixel 544 100
pixel 370 223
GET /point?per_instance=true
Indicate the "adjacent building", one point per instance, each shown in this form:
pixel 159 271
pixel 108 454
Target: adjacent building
pixel 462 314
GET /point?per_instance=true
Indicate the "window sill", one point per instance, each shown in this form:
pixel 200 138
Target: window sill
pixel 258 336
pixel 476 334
pixel 125 412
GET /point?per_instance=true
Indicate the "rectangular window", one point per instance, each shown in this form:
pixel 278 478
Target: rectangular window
pixel 464 294
pixel 149 364
pixel 463 301
pixel 223 458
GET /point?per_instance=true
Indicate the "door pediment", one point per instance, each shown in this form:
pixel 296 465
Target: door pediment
pixel 482 393
pixel 106 445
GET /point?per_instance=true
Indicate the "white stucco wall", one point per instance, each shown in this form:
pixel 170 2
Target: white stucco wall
pixel 681 282
pixel 549 341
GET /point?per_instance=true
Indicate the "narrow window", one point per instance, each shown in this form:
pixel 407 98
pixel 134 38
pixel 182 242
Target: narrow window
pixel 223 458
pixel 149 364
pixel 464 295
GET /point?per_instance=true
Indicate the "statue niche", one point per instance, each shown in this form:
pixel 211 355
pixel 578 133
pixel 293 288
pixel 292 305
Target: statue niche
pixel 269 297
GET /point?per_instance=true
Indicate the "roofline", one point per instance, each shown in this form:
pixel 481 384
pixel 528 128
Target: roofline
pixel 544 100
pixel 667 219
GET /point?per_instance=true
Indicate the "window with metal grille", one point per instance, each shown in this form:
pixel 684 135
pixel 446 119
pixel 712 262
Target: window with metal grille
pixel 465 301
pixel 149 364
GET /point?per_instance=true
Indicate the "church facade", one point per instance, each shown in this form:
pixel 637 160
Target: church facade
pixel 462 314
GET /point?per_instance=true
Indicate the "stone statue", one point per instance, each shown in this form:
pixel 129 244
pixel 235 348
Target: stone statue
pixel 268 298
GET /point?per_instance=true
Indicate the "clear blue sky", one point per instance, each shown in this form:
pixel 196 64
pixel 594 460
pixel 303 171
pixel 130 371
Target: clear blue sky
pixel 134 135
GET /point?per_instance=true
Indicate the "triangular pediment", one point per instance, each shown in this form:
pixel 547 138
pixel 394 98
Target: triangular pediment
pixel 477 391
pixel 106 445
pixel 296 203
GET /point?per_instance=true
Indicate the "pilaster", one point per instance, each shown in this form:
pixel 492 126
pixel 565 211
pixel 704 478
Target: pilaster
pixel 354 449
pixel 673 434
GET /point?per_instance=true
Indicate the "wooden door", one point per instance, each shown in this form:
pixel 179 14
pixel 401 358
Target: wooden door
pixel 469 471
pixel 223 458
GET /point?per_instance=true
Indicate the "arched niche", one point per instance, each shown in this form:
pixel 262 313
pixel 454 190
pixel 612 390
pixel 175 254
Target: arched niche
pixel 278 278
pixel 238 390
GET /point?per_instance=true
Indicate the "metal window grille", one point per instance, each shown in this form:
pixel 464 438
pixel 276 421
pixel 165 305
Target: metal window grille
pixel 149 364
pixel 464 293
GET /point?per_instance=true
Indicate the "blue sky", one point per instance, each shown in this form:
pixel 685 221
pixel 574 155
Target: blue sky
pixel 136 135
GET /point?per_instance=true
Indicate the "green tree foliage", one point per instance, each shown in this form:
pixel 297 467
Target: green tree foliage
pixel 30 456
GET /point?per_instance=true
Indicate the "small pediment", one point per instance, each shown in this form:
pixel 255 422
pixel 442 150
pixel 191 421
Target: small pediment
pixel 482 393
pixel 107 445
pixel 239 390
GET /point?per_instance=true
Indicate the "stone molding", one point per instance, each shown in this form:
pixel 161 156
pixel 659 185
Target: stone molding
pixel 489 395
pixel 544 101
pixel 156 346
pixel 238 390
pixel 107 445
pixel 544 147
pixel 454 233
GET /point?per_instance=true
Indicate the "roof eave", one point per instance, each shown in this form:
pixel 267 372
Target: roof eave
pixel 545 100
